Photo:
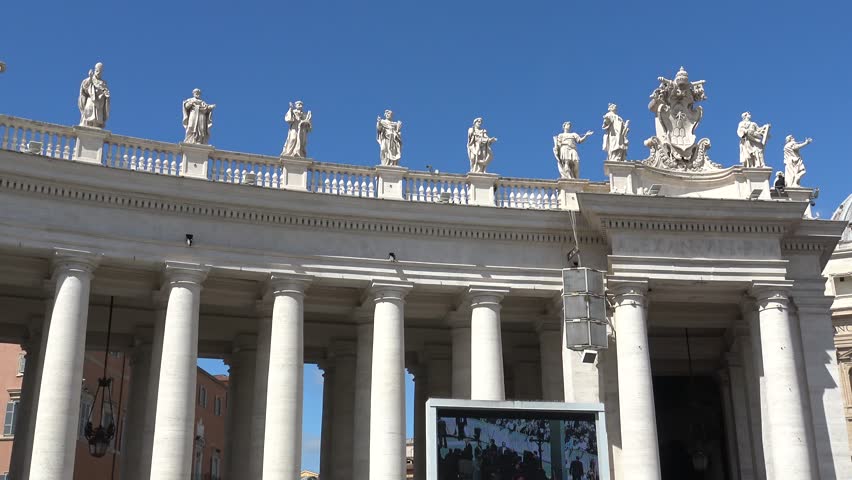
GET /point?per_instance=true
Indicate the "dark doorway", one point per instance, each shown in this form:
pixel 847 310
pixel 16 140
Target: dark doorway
pixel 689 418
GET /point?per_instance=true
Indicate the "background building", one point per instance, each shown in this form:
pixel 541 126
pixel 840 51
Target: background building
pixel 839 285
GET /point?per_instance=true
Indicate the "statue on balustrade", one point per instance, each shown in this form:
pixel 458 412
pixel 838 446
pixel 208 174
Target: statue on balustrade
pixel 676 116
pixel 753 139
pixel 615 135
pixel 197 118
pixel 794 168
pixel 479 147
pixel 299 123
pixel 94 99
pixel 389 136
pixel 565 151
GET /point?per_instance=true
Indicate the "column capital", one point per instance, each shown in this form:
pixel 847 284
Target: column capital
pixel 288 284
pixel 486 296
pixel 388 291
pixel 74 261
pixel 628 291
pixel 771 294
pixel 184 274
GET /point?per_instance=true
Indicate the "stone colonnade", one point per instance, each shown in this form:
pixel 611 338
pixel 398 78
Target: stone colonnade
pixel 366 404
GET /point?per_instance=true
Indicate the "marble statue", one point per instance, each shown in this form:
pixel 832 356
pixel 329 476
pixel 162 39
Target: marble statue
pixel 297 136
pixel 794 168
pixel 752 142
pixel 615 135
pixel 389 136
pixel 197 118
pixel 565 151
pixel 676 116
pixel 94 99
pixel 479 147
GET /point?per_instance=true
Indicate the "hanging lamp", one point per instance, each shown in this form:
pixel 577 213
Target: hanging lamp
pixel 99 437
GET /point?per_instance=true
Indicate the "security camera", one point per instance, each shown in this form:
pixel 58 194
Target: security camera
pixel 589 356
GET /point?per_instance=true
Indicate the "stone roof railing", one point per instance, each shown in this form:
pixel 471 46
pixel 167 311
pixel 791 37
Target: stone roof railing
pixel 96 146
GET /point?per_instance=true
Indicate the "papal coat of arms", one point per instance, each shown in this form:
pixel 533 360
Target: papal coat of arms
pixel 674 146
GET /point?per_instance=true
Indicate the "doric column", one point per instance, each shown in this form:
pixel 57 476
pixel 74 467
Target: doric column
pixel 363 372
pixel 21 469
pixel 326 455
pixel 460 331
pixel 387 395
pixel 525 373
pixel 240 405
pixel 342 445
pixel 258 416
pixel 55 436
pixel 785 406
pixel 640 454
pixel 283 432
pixel 140 372
pixel 550 351
pixel 740 410
pixel 438 359
pixel 756 389
pixel 733 454
pixel 161 299
pixel 421 395
pixel 22 445
pixel 171 457
pixel 486 347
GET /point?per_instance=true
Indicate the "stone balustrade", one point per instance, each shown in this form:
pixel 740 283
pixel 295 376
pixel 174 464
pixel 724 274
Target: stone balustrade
pixel 205 162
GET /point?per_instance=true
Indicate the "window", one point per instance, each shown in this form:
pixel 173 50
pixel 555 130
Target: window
pixel 202 396
pixel 214 467
pixel 4 476
pixel 217 406
pixel 11 417
pixel 22 364
pixel 196 468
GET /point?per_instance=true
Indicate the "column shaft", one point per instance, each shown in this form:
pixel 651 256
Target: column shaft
pixel 461 361
pixel 22 469
pixel 640 453
pixel 152 389
pixel 285 380
pixel 55 436
pixel 26 409
pixel 486 350
pixel 171 457
pixel 344 409
pixel 258 417
pixel 240 406
pixel 140 372
pixel 791 439
pixel 387 395
pixel 421 395
pixel 363 367
pixel 326 472
pixel 550 346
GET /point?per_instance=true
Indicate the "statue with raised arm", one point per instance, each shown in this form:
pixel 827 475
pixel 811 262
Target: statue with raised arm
pixel 299 124
pixel 479 147
pixel 389 137
pixel 93 100
pixel 794 168
pixel 615 135
pixel 753 139
pixel 197 119
pixel 565 151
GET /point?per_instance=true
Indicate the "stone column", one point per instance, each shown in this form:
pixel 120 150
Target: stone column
pixel 140 372
pixel 55 436
pixel 34 370
pixel 258 416
pixel 740 404
pixel 23 434
pixel 387 396
pixel 363 372
pixel 460 329
pixel 326 472
pixel 756 389
pixel 733 454
pixel 640 454
pixel 486 350
pixel 171 457
pixel 526 374
pixel 421 395
pixel 241 405
pixel 439 370
pixel 153 386
pixel 785 406
pixel 550 350
pixel 283 432
pixel 831 441
pixel 342 445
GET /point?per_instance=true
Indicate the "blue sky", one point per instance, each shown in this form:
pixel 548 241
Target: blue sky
pixel 524 67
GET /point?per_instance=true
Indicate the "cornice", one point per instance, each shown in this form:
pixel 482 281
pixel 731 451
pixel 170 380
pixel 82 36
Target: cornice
pixel 260 215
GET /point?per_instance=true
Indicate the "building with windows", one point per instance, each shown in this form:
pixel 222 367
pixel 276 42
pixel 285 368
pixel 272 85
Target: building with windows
pixel 839 286
pixel 716 358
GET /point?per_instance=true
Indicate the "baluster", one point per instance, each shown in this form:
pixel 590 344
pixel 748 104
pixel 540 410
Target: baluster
pixel 456 199
pixel 334 184
pixel 349 190
pixel 4 145
pixel 371 187
pixel 47 143
pixel 66 152
pixel 13 144
pixel 275 178
pixel 420 194
pixel 361 186
pixel 229 175
pixel 158 164
pixel 538 201
pixel 326 183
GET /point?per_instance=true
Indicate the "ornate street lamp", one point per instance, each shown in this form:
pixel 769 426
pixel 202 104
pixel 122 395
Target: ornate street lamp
pixel 584 309
pixel 100 437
